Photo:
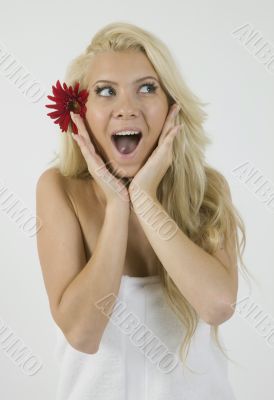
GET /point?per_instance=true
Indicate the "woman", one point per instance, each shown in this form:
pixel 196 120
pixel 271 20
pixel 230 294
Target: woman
pixel 139 240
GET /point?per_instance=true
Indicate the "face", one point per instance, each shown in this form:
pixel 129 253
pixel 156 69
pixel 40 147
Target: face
pixel 130 101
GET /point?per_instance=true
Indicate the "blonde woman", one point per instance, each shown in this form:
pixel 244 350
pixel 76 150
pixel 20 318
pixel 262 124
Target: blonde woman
pixel 139 241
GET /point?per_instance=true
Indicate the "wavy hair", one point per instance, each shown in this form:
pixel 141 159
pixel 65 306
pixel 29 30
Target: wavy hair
pixel 193 193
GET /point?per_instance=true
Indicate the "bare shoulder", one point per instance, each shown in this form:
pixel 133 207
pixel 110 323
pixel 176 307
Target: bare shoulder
pixel 51 182
pixel 51 179
pixel 50 173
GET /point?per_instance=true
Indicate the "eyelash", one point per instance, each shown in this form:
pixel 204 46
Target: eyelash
pixel 98 89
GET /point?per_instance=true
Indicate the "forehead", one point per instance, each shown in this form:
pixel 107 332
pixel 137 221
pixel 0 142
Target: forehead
pixel 120 65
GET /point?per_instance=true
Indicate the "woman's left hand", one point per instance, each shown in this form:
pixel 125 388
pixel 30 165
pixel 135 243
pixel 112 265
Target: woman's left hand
pixel 150 175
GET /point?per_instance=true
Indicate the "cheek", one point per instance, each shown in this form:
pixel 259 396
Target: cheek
pixel 157 126
pixel 97 123
pixel 95 115
pixel 157 116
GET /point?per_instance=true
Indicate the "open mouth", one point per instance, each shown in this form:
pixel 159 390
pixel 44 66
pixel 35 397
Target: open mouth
pixel 126 144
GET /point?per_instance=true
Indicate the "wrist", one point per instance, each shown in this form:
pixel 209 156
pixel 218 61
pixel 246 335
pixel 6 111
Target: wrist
pixel 142 196
pixel 118 206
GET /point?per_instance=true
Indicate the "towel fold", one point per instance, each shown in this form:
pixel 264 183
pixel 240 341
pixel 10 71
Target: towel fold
pixel 138 356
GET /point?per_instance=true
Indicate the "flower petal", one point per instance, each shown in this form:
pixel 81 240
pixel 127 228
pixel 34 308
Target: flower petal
pixel 66 98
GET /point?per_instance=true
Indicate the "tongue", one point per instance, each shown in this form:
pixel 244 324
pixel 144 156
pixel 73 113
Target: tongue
pixel 126 144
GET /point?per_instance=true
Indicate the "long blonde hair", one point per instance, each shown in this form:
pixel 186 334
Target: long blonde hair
pixel 194 194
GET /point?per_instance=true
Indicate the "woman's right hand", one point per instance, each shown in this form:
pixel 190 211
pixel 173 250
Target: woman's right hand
pixel 112 187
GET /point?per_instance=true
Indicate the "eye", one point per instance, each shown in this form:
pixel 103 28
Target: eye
pixel 99 89
pixel 152 86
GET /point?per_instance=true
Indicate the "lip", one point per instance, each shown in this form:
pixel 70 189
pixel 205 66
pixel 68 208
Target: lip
pixel 126 156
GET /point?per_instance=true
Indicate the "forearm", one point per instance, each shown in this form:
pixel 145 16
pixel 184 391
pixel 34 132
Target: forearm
pixel 81 319
pixel 199 276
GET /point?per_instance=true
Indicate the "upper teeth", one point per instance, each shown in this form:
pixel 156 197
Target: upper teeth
pixel 127 133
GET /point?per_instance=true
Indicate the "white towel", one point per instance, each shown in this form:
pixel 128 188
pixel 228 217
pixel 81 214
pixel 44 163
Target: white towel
pixel 138 356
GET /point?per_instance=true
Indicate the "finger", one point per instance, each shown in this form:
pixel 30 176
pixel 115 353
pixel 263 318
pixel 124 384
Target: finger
pixel 167 140
pixel 82 130
pixel 170 121
pixel 83 147
pixel 85 143
pixel 91 157
pixel 173 132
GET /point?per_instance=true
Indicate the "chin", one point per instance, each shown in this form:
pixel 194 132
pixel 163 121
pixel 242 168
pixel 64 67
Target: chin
pixel 124 172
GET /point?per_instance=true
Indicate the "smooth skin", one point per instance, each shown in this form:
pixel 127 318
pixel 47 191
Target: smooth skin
pixel 147 178
pixel 73 283
pixel 127 102
pixel 205 280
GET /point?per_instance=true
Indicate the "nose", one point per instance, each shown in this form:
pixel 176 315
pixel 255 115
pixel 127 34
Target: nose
pixel 126 109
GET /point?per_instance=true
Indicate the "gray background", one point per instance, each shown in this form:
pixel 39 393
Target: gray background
pixel 43 37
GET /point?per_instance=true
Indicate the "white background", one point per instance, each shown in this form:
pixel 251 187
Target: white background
pixel 44 37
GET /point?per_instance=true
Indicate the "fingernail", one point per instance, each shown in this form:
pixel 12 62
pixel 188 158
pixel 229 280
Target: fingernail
pixel 72 115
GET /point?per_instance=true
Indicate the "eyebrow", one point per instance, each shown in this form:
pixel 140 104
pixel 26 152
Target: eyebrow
pixel 137 80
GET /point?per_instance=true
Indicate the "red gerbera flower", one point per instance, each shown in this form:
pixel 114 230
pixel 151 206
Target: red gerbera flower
pixel 67 99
